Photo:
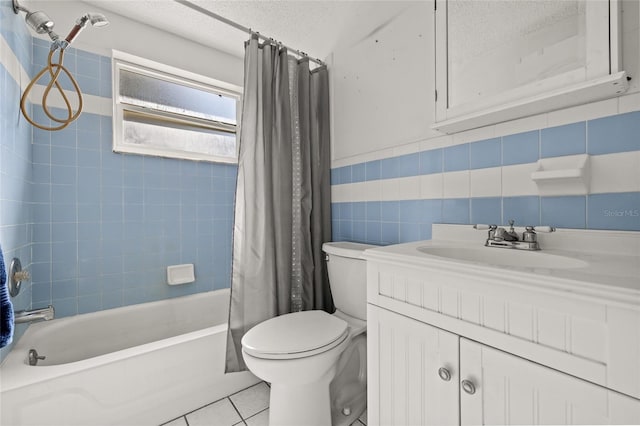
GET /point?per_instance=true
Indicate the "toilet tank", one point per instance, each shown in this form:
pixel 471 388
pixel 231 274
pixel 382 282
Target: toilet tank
pixel 348 276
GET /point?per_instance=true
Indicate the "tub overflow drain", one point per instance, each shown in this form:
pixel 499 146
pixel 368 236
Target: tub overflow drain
pixel 34 357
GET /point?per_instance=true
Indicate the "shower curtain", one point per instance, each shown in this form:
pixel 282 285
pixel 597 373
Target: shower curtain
pixel 282 210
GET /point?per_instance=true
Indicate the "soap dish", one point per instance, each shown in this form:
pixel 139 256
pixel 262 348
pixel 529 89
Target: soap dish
pixel 563 175
pixel 180 274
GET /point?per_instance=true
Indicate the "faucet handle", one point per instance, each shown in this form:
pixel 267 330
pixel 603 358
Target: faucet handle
pixel 529 235
pixel 544 228
pixel 482 227
pixel 491 228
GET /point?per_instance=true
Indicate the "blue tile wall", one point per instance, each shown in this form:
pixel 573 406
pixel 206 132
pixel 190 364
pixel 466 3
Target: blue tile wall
pixel 14 30
pixel 487 210
pixel 614 211
pixel 431 162
pixel 569 139
pixel 520 148
pixel 564 212
pixel 522 210
pixel 618 133
pixel 387 222
pixel 97 228
pixel 372 170
pixel 112 223
pixel 408 165
pixel 15 162
pixel 486 153
pixel 456 158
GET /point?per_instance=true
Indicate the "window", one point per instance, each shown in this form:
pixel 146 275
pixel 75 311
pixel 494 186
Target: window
pixel 163 111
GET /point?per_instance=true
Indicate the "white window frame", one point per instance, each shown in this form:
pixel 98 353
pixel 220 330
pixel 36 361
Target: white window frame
pixel 128 62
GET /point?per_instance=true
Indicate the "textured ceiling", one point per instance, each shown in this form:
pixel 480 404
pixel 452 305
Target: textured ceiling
pixel 311 26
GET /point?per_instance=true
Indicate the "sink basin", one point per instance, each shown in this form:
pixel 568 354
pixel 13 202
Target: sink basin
pixel 504 257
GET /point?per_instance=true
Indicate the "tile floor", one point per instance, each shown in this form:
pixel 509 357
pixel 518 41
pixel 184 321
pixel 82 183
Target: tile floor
pixel 249 407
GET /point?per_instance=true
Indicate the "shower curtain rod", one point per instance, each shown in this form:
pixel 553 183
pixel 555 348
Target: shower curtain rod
pixel 243 28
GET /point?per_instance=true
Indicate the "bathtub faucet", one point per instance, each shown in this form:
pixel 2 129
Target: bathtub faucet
pixel 34 315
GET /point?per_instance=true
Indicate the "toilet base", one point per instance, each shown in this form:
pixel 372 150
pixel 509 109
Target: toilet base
pixel 348 390
pixel 300 405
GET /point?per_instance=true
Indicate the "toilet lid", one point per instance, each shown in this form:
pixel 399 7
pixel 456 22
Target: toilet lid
pixel 294 333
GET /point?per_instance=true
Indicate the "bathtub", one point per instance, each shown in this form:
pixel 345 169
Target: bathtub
pixel 137 365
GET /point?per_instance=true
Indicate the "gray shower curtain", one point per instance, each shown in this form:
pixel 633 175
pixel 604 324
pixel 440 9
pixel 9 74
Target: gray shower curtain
pixel 282 210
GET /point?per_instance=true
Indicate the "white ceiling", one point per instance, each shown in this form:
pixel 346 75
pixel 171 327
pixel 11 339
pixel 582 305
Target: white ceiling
pixel 311 26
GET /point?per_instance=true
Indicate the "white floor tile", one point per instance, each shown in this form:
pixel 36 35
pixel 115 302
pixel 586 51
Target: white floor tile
pixel 177 422
pixel 363 417
pixel 252 400
pixel 219 413
pixel 260 419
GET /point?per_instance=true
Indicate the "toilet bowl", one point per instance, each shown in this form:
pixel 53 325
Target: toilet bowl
pixel 315 361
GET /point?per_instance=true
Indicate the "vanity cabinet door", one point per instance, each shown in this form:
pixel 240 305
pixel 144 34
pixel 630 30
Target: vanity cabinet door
pixel 505 389
pixel 413 371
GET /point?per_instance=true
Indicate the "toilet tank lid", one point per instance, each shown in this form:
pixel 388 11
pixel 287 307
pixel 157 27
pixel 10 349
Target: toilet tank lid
pixel 346 248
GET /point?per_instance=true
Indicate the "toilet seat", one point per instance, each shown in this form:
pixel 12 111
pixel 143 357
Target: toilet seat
pixel 295 335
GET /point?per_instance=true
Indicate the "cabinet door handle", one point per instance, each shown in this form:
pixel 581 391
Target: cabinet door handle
pixel 468 386
pixel 444 374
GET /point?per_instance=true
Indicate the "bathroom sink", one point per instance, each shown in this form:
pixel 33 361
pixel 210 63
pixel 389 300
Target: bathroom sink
pixel 504 257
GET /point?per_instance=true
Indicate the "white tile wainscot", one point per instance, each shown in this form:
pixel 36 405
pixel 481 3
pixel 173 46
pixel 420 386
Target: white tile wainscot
pixel 458 342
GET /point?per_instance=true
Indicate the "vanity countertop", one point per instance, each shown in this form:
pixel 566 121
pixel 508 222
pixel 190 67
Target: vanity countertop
pixel 590 263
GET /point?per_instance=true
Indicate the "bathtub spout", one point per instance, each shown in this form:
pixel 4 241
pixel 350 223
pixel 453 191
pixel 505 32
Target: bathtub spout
pixel 34 315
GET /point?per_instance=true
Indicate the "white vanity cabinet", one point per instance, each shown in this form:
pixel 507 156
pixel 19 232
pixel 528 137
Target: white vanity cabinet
pixel 513 390
pixel 464 343
pixel 403 359
pixel 427 376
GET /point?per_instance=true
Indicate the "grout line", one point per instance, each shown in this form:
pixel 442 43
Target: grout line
pixel 218 400
pixel 253 415
pixel 173 420
pixel 200 408
pixel 236 408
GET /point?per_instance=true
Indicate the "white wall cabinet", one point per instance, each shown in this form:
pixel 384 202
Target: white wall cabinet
pixel 422 375
pixel 497 61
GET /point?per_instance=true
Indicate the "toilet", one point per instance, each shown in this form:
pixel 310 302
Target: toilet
pixel 316 362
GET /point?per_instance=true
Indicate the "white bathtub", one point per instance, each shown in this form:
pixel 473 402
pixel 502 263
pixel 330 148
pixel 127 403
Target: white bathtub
pixel 137 365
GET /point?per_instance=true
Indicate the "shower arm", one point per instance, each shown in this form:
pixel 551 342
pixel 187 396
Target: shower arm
pixel 17 8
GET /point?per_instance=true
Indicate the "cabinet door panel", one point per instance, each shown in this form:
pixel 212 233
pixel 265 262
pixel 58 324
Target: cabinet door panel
pixel 512 390
pixel 406 355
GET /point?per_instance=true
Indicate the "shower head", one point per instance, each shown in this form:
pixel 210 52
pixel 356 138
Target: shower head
pixel 42 24
pixel 96 19
pixel 39 22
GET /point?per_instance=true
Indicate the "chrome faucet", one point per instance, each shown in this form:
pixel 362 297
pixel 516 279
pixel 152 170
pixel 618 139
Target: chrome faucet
pixel 46 314
pixel 502 234
pixel 501 238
